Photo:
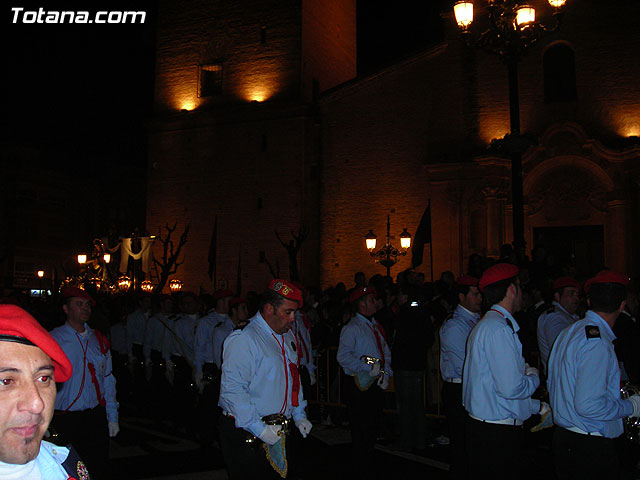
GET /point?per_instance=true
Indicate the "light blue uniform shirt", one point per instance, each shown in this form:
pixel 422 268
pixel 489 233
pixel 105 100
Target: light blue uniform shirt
pixel 357 339
pixel 48 465
pixel 204 339
pixel 453 341
pixel 494 386
pixel 156 334
pixel 549 327
pixel 136 326
pixel 79 392
pixel 584 379
pixel 256 377
pixel 220 333
pixel 185 330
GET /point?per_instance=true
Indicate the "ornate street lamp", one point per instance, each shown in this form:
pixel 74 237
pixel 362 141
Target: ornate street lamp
pixel 124 283
pixel 146 286
pixel 388 255
pixel 513 29
pixel 175 285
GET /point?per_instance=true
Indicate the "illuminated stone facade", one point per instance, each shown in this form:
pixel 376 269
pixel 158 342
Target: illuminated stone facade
pixel 419 130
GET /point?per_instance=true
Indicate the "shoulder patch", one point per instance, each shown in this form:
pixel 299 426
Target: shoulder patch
pixel 592 331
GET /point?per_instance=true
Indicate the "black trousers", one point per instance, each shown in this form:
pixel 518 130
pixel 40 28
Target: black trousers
pixel 584 456
pixel 87 431
pixel 494 451
pixel 365 418
pixel 248 460
pixel 456 419
pixel 208 410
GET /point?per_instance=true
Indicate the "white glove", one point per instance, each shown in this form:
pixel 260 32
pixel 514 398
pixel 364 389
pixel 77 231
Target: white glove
pixel 383 382
pixel 375 370
pixel 197 378
pixel 544 408
pixel 529 370
pixel 304 426
pixel 635 399
pixel 271 434
pixel 312 377
pixel 114 428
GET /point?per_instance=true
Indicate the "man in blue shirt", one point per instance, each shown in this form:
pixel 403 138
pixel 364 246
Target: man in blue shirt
pixel 497 384
pixel 584 385
pixel 566 300
pixel 363 336
pixel 453 341
pixel 260 393
pixel 30 363
pixel 86 406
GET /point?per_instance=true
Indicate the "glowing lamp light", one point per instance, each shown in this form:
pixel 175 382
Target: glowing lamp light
pixel 370 240
pixel 557 3
pixel 82 259
pixel 124 283
pixel 40 273
pixel 405 239
pixel 146 286
pixel 96 282
pixel 188 106
pixel 175 285
pixel 464 14
pixel 525 15
pixel 106 257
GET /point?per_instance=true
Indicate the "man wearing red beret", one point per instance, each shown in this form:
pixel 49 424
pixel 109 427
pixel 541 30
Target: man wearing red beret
pixel 86 406
pixel 260 393
pixel 497 384
pixel 453 340
pixel 584 386
pixel 30 363
pixel 363 337
pixel 561 314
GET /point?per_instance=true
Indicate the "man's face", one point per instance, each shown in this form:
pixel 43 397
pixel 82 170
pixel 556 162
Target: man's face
pixel 570 299
pixel 280 320
pixel 167 305
pixel 190 305
pixel 517 298
pixel 472 301
pixel 78 310
pixel 27 398
pixel 369 305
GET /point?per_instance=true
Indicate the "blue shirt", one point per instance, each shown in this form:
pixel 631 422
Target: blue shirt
pixel 220 333
pixel 453 342
pixel 550 324
pixel 156 334
pixel 494 386
pixel 584 379
pixel 257 376
pixel 79 392
pixel 303 336
pixel 204 340
pixel 48 464
pixel 182 343
pixel 357 338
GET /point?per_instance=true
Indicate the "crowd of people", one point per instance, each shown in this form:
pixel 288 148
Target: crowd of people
pixel 519 344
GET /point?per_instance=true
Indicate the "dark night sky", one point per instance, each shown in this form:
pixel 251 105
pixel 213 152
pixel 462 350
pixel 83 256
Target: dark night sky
pixel 87 90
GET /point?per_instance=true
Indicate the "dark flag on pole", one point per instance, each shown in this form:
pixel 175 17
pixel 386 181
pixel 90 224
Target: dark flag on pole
pixel 423 236
pixel 213 246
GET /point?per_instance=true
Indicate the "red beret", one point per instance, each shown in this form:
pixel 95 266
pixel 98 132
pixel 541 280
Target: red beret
pixel 287 290
pixel 359 292
pixel 607 276
pixel 218 294
pixel 467 281
pixel 562 282
pixel 17 325
pixel 497 272
pixel 236 301
pixel 70 292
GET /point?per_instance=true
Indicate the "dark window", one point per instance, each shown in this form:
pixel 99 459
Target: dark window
pixel 559 74
pixel 210 79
